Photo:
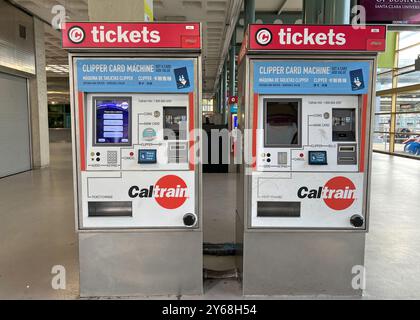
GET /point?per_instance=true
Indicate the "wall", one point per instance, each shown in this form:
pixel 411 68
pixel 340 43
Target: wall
pixel 16 52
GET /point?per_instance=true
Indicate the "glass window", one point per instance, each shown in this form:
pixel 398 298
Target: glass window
pixel 408 38
pixel 407 57
pixel 407 124
pixel 56 121
pixel 58 108
pixel 381 141
pixel 383 104
pixel 409 79
pixel 59 116
pixel 406 137
pixel 384 81
pixel 382 122
pixel 208 105
pixel 408 102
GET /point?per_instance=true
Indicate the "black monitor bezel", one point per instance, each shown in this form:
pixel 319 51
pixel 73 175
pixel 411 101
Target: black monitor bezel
pixel 94 118
pixel 299 102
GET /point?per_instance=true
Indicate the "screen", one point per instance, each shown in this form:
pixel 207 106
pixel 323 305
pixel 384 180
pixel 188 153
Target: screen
pixel 282 123
pixel 147 156
pixel 234 121
pixel 113 121
pixel 318 157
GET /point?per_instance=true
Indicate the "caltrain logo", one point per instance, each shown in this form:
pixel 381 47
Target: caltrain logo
pixel 338 193
pixel 263 37
pixel 170 192
pixel 76 34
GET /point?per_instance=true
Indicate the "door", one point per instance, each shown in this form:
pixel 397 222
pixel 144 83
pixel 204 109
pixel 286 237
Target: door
pixel 15 149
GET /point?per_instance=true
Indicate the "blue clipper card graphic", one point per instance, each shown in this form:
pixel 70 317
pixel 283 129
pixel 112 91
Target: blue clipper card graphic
pixel 135 75
pixel 311 77
pixel 356 78
pixel 181 77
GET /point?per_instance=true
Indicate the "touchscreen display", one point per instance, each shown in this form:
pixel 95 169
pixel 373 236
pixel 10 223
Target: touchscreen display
pixel 282 123
pixel 113 121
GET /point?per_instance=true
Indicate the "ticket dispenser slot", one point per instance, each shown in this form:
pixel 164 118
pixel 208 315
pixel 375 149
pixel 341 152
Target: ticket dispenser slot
pixel 278 209
pixel 110 209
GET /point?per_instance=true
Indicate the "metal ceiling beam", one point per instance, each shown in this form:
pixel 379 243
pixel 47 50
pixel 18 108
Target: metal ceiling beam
pixel 230 25
pixel 281 6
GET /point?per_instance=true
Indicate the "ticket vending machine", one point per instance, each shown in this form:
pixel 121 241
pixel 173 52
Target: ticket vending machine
pixel 136 92
pixel 305 111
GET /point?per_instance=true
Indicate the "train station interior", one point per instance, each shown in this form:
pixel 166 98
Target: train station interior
pixel 39 232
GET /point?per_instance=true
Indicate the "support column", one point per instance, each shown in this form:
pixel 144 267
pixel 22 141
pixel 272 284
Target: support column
pixel 232 64
pixel 122 10
pixel 249 8
pixel 217 102
pixel 224 103
pixel 313 11
pixel 221 94
pixel 337 11
pixel 39 102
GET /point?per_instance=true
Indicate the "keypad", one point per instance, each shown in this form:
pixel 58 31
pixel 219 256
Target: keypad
pixel 112 157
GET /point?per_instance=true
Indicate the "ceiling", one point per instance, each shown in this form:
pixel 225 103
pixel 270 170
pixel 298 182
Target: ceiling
pixel 216 16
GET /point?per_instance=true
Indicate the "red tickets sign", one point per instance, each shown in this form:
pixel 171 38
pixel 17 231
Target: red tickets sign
pixel 85 35
pixel 317 38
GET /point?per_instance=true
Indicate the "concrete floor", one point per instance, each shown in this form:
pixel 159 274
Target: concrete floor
pixel 37 231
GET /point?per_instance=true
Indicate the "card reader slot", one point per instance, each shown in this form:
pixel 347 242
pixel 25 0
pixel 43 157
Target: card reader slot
pixel 348 159
pixel 177 147
pixel 110 209
pixel 346 149
pixel 277 209
pixel 347 154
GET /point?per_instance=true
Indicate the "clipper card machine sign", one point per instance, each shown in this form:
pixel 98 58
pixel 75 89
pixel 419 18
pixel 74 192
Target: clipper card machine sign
pixel 136 92
pixel 306 95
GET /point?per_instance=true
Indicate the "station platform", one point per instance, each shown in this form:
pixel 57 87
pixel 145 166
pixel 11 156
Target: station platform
pixel 37 231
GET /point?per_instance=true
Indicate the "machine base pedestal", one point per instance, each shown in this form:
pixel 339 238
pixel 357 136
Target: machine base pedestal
pixel 129 264
pixel 300 263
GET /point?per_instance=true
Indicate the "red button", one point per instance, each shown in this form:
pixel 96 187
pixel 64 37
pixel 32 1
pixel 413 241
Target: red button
pixel 301 155
pixel 131 154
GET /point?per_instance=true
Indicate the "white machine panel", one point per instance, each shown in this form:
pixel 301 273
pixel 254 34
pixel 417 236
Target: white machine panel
pixel 298 200
pixel 150 117
pixel 304 130
pixel 137 199
pixel 138 173
pixel 307 170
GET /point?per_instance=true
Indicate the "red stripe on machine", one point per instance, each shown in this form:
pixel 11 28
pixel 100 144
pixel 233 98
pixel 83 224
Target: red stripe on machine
pixel 82 131
pixel 192 127
pixel 363 133
pixel 254 132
